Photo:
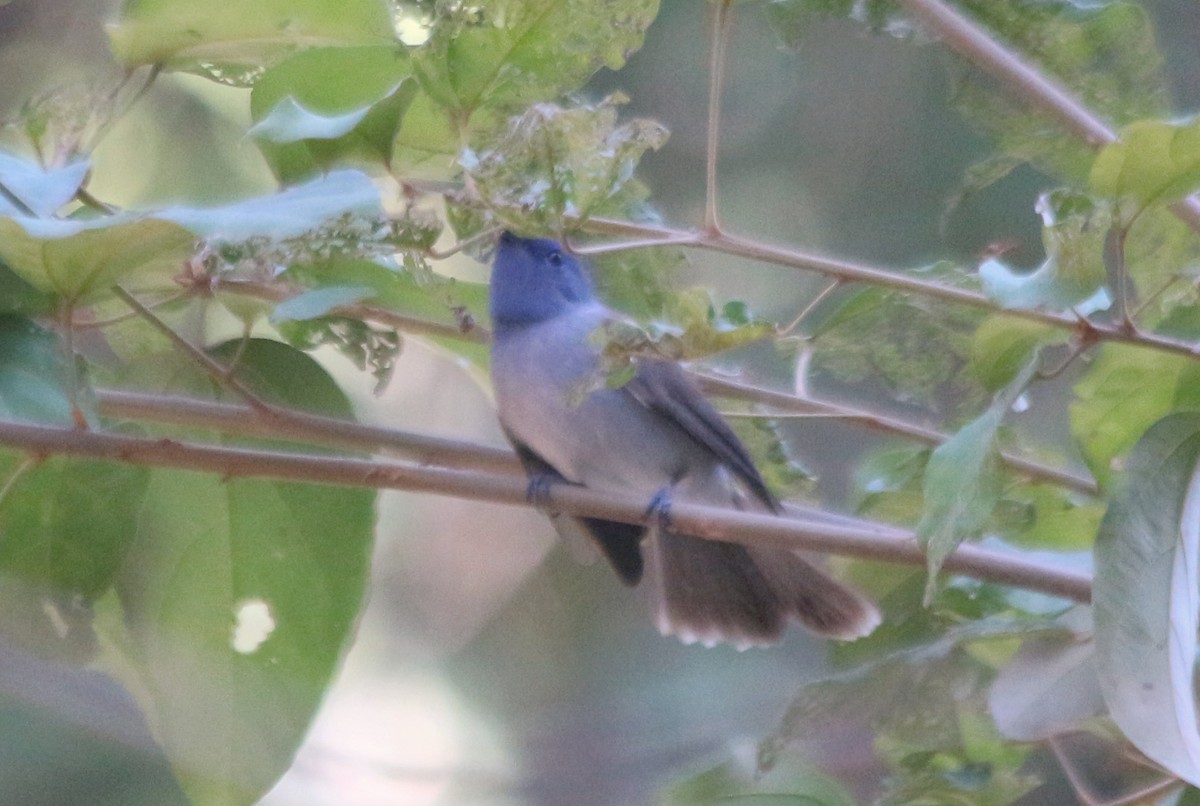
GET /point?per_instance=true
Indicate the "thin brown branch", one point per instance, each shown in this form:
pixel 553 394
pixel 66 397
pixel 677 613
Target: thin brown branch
pixel 219 373
pixel 312 429
pixel 721 23
pixel 784 402
pixel 882 278
pixel 981 48
pixel 711 523
pixel 777 400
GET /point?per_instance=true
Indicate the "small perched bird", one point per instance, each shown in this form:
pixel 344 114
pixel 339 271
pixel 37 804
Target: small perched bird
pixel 655 435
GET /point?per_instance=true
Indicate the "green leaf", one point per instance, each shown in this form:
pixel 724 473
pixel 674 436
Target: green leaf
pixel 553 162
pixel 66 524
pixel 1145 596
pixel 318 302
pixel 326 106
pixel 1104 53
pixel 1002 345
pixel 1123 393
pixel 286 214
pixel 510 53
pixel 240 596
pixel 34 375
pixel 1074 230
pixel 79 260
pixel 905 346
pixel 41 192
pixel 18 297
pixel 1045 517
pixel 964 480
pixel 228 40
pixel 1154 163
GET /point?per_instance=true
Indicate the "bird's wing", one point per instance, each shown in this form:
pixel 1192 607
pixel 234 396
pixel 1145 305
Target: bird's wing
pixel 620 542
pixel 662 387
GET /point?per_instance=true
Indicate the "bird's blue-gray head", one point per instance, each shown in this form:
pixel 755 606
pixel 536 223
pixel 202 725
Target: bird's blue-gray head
pixel 534 280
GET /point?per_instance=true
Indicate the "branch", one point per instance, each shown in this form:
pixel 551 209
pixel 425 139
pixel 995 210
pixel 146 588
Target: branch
pixel 980 48
pixel 712 523
pixel 777 400
pixel 782 401
pixel 296 426
pixel 858 273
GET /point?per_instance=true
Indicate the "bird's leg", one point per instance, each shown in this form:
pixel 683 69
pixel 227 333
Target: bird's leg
pixel 659 510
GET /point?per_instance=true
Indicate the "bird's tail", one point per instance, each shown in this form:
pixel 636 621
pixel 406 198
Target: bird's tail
pixel 714 592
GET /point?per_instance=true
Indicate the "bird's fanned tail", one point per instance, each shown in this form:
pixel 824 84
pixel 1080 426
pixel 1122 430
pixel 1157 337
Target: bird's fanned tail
pixel 712 592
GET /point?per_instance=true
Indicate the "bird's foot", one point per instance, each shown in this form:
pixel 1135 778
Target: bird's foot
pixel 659 510
pixel 538 491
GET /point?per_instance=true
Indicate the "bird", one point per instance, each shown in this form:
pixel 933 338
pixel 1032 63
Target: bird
pixel 656 435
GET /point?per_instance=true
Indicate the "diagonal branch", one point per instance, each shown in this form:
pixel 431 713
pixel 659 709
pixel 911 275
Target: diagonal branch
pixel 712 523
pixel 982 49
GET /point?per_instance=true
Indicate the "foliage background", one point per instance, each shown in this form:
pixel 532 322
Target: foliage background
pixel 489 666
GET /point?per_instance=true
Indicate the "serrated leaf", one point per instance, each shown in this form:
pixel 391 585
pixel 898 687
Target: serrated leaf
pixel 1074 230
pixel 964 479
pixel 1145 596
pixel 326 106
pixel 318 302
pixel 1123 393
pixel 224 40
pixel 77 260
pixel 509 53
pixel 240 596
pixel 553 162
pixel 1153 163
pixel 41 192
pixel 286 214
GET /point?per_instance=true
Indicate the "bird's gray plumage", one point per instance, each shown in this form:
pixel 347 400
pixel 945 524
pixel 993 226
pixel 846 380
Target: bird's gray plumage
pixel 655 434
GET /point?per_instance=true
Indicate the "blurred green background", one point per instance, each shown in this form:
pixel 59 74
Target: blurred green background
pixel 490 666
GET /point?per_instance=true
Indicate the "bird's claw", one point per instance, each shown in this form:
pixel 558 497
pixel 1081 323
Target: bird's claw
pixel 538 491
pixel 660 509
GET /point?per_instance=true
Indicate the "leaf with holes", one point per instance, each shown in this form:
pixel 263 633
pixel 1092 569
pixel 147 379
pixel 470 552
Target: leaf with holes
pixel 240 596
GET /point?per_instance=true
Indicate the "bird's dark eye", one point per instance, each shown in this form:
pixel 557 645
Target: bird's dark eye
pixel 554 259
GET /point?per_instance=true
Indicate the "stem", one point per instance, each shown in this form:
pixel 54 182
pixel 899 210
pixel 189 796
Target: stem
pixel 222 375
pixel 781 401
pixel 980 48
pixel 855 272
pixel 712 523
pixel 301 427
pixel 722 14
pixel 810 307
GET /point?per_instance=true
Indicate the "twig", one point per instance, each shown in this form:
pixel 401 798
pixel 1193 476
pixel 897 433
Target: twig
pixel 219 373
pixel 855 272
pixel 979 47
pixel 711 523
pixel 313 429
pixel 781 401
pixel 810 307
pixel 722 15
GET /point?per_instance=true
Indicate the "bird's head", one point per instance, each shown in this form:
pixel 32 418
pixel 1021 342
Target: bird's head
pixel 534 280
